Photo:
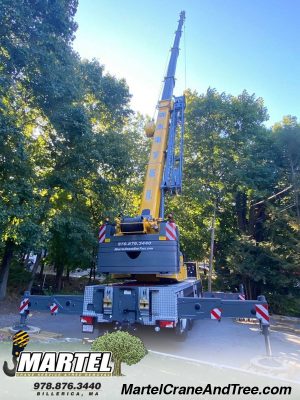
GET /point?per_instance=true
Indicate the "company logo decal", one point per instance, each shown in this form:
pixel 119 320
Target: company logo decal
pixel 51 363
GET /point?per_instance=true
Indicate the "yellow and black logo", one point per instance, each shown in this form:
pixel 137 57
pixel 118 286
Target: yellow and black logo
pixel 20 341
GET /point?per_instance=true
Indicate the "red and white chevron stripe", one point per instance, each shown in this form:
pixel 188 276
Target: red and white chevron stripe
pixel 102 233
pixel 53 308
pixel 216 313
pixel 171 233
pixel 262 313
pixel 24 305
pixel 242 297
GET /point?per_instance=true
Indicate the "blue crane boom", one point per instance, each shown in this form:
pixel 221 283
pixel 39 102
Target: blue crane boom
pixel 169 82
pixel 172 176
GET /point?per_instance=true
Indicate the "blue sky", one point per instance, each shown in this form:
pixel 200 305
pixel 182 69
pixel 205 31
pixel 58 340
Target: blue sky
pixel 230 45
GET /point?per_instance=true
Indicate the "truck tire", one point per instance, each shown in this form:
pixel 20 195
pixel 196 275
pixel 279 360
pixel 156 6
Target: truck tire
pixel 181 329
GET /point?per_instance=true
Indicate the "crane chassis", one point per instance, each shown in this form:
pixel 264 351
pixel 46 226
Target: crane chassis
pixel 154 287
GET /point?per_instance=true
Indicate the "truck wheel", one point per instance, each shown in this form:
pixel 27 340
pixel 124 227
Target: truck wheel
pixel 181 329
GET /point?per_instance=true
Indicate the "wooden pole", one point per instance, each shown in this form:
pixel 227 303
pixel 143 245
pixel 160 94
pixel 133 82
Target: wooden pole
pixel 212 241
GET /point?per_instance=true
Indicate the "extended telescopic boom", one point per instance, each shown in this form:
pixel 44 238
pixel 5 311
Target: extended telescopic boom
pixel 169 82
pixel 164 172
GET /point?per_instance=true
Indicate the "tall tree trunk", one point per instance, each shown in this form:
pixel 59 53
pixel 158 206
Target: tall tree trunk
pixel 241 210
pixel 34 270
pixel 4 268
pixel 296 190
pixel 249 289
pixel 260 218
pixel 59 276
pixel 93 270
pixel 90 275
pixel 26 258
pixel 252 219
pixel 117 368
pixel 42 268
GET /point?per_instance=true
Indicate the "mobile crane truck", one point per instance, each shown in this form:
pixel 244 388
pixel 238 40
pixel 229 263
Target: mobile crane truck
pixel 155 287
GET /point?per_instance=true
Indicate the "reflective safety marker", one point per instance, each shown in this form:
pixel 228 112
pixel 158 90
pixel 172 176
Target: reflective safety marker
pixel 242 297
pixel 262 313
pixel 53 308
pixel 171 231
pixel 216 313
pixel 102 233
pixel 24 305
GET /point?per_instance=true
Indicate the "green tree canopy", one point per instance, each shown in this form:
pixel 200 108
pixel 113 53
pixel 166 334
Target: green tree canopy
pixel 124 347
pixel 233 162
pixel 61 120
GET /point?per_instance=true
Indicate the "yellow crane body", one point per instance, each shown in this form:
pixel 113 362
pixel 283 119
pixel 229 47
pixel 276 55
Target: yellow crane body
pixel 152 187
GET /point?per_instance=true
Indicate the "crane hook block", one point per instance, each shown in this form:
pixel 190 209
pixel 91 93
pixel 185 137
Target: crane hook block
pixel 150 129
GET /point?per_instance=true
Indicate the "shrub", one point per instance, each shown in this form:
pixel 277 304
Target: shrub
pixel 124 347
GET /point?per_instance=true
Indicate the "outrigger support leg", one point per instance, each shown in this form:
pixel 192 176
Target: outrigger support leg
pixel 22 324
pixel 23 320
pixel 266 333
pixel 264 324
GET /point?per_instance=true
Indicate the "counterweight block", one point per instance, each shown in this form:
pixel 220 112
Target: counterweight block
pixel 139 254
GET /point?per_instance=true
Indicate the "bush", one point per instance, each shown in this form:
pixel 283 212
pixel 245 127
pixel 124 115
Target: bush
pixel 284 305
pixel 124 348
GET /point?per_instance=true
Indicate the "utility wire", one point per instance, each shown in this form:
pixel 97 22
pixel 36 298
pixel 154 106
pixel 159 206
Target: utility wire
pixel 286 208
pixel 273 196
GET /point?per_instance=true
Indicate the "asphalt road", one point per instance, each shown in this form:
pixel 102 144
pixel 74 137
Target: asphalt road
pixel 227 342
